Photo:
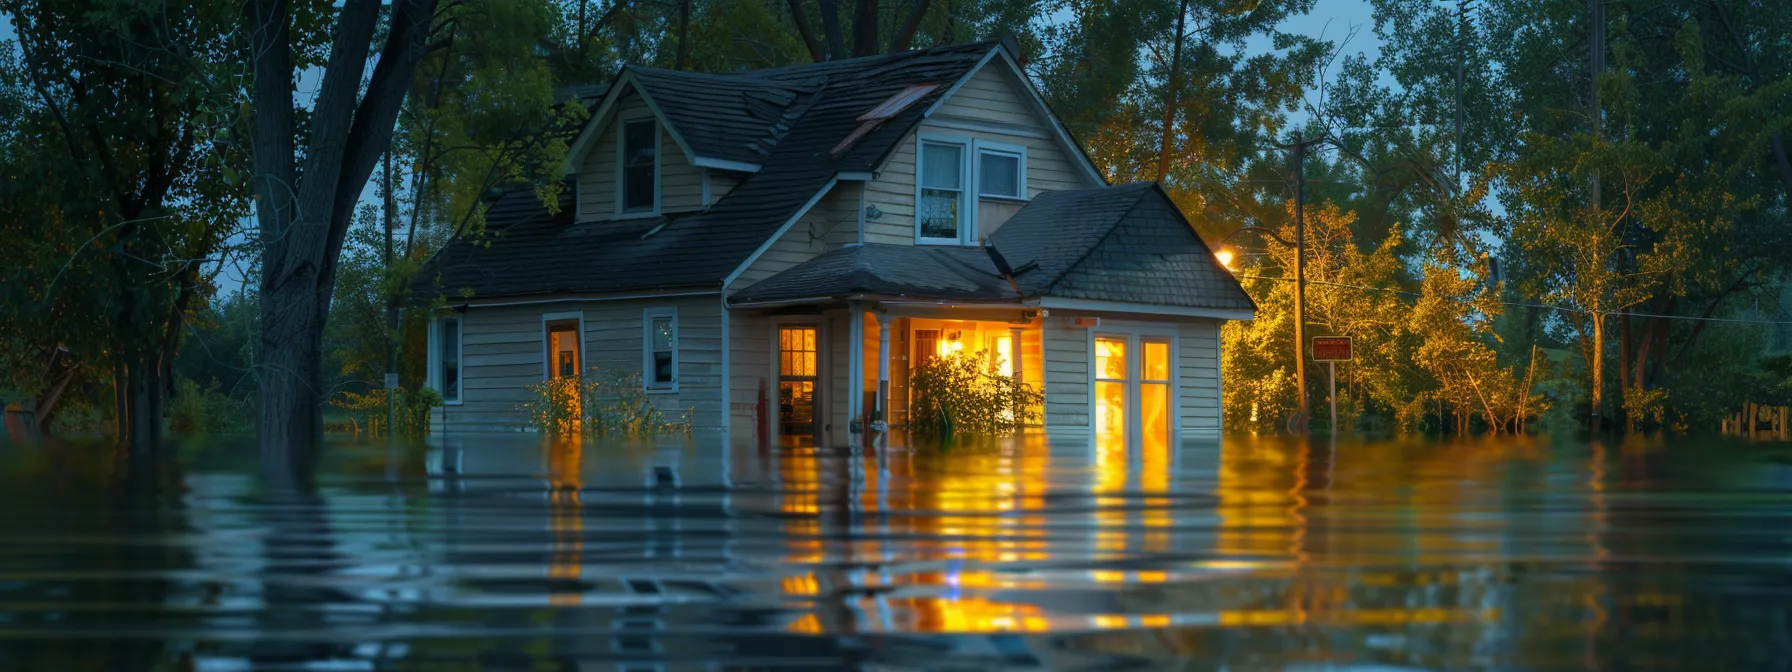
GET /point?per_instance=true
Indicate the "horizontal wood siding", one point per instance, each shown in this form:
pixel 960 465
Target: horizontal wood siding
pixel 804 241
pixel 843 214
pixel 1198 372
pixel 838 334
pixel 1066 373
pixel 750 359
pixel 723 181
pixel 613 340
pixel 681 184
pixel 989 99
pixel 502 356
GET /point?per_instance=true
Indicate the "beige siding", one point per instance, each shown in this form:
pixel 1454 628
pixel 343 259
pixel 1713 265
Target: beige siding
pixel 843 214
pixel 502 356
pixel 723 181
pixel 614 341
pixel 804 241
pixel 838 333
pixel 681 184
pixel 750 342
pixel 1198 371
pixel 998 105
pixel 1066 373
pixel 992 96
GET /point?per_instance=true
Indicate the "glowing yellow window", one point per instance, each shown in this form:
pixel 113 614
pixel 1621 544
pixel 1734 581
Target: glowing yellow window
pixel 1110 387
pixel 1154 395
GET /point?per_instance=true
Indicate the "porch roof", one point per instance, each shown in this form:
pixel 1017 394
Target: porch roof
pixel 1124 244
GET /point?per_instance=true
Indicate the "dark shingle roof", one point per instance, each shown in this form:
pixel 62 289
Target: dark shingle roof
pixel 531 252
pixel 886 270
pixel 1127 244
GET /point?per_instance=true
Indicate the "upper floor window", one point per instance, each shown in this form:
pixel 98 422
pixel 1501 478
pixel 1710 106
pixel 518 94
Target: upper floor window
pixel 1000 171
pixel 940 208
pixel 640 150
pixel 957 179
pixel 660 349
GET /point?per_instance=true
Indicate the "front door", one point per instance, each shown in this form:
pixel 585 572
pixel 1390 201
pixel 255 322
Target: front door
pixel 1133 399
pixel 798 370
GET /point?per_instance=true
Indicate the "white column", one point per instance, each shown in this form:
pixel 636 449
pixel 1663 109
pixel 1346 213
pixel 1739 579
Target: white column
pixel 855 371
pixel 1014 347
pixel 883 378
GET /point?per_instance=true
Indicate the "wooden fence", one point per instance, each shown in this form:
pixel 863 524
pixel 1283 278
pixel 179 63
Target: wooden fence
pixel 1759 422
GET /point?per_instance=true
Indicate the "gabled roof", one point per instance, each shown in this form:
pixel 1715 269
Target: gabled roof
pixel 531 252
pixel 1125 244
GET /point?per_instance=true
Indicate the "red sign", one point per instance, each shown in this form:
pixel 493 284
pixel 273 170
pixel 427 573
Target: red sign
pixel 1331 348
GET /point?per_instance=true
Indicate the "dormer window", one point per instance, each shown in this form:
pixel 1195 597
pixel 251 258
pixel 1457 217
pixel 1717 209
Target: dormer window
pixel 639 155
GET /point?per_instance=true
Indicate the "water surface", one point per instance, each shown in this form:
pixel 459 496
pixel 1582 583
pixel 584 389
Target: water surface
pixel 507 553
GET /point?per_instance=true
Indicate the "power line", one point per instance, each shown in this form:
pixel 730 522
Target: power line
pixel 1544 306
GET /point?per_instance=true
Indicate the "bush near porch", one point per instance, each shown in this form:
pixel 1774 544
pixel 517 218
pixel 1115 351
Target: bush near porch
pixel 961 393
pixel 601 402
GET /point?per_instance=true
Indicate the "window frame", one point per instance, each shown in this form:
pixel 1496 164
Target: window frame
pixel 1017 152
pixel 435 379
pixel 648 315
pixel 967 207
pixel 622 211
pixel 1135 335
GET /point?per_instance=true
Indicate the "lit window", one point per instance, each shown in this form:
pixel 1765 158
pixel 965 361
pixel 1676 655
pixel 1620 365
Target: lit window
pixel 447 370
pixel 1110 388
pixel 660 354
pixel 640 157
pixel 941 203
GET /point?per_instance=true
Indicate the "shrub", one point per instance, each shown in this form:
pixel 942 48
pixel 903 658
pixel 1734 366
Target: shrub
pixel 195 410
pixel 961 393
pixel 367 412
pixel 600 402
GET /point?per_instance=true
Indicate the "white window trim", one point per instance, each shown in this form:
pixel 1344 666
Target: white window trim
pixel 647 317
pixel 434 378
pixel 967 210
pixel 659 155
pixel 1017 151
pixel 1135 335
pixel 547 356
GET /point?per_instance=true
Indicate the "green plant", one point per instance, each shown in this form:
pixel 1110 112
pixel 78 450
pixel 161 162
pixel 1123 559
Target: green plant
pixel 367 412
pixel 961 393
pixel 195 410
pixel 601 402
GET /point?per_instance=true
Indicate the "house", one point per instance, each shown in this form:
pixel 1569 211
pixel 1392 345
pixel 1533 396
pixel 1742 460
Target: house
pixel 772 250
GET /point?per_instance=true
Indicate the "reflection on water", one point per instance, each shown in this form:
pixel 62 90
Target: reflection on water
pixel 503 552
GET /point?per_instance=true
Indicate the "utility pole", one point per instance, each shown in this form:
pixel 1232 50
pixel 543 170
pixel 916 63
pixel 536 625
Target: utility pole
pixel 1300 275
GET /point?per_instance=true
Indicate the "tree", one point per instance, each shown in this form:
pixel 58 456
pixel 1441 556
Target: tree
pixel 123 158
pixel 305 200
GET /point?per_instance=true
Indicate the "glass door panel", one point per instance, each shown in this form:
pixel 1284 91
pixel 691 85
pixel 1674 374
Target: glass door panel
pixel 797 355
pixel 1110 388
pixel 1155 405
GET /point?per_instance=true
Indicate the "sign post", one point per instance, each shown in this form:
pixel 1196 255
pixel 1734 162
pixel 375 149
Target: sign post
pixel 1331 350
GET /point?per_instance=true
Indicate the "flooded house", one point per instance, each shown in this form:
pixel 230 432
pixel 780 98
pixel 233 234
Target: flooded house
pixel 773 251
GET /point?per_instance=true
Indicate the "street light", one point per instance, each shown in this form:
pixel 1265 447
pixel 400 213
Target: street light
pixel 1225 255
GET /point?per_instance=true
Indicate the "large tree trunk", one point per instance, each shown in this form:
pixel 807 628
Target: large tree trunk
pixel 864 28
pixel 303 224
pixel 830 25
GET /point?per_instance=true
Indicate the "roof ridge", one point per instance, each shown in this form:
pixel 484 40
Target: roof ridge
pixel 1113 224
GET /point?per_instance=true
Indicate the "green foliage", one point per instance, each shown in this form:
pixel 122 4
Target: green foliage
pixel 411 407
pixel 601 402
pixel 961 394
pixel 195 410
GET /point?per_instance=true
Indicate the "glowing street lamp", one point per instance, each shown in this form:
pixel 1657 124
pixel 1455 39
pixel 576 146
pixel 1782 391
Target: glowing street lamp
pixel 1225 254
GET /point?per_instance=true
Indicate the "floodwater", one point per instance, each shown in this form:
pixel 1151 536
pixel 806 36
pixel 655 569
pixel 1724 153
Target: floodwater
pixel 504 553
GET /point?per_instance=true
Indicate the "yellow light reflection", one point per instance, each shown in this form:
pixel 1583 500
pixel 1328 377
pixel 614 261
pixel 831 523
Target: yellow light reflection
pixel 566 517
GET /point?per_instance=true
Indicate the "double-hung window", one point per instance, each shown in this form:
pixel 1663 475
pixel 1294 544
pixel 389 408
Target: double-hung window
pixel 444 373
pixel 965 188
pixel 638 153
pixel 659 356
pixel 941 209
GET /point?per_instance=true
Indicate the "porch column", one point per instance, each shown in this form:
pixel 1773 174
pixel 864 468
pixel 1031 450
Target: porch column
pixel 881 420
pixel 1014 348
pixel 855 373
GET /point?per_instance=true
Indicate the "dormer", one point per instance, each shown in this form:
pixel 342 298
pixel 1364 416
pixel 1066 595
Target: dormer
pixel 665 142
